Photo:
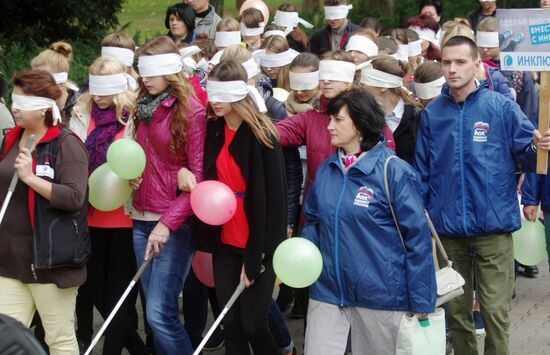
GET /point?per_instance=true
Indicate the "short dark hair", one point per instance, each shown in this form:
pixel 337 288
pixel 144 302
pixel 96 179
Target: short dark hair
pixel 372 23
pixel 438 6
pixel 182 11
pixel 366 114
pixel 459 41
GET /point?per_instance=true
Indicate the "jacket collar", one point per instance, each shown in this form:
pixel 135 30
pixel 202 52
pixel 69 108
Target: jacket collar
pixel 481 86
pixel 14 133
pixel 365 164
pixel 169 101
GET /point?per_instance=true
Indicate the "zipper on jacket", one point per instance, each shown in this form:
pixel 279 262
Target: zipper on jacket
pixel 33 270
pixel 461 155
pixel 336 239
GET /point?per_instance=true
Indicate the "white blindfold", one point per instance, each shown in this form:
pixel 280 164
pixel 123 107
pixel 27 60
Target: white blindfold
pixel 377 78
pixel 275 33
pixel 415 48
pixel 289 20
pixel 61 77
pixel 303 81
pixel 487 39
pixel 427 91
pixel 251 68
pixel 337 12
pixel 32 103
pixel 362 44
pixel 336 70
pixel 106 85
pixel 225 39
pixel 123 55
pixel 233 91
pixel 159 64
pixel 254 31
pixel 426 34
pixel 276 60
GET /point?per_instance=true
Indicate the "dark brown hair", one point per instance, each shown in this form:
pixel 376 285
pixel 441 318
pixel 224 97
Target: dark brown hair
pixel 37 82
pixel 252 17
pixel 297 34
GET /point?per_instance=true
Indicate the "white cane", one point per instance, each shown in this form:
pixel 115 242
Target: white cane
pixel 234 296
pixel 119 303
pixel 14 181
pixel 232 300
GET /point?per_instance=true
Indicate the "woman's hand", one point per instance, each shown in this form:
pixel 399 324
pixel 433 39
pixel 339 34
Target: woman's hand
pixel 158 237
pixel 186 180
pixel 23 164
pixel 530 212
pixel 247 281
pixel 135 183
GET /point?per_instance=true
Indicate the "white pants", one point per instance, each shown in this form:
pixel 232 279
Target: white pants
pixel 373 332
pixel 56 307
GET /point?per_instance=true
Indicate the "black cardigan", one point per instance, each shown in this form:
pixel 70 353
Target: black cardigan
pixel 404 135
pixel 265 203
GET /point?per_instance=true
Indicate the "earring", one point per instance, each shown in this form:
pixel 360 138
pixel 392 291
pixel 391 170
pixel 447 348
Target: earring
pixel 43 114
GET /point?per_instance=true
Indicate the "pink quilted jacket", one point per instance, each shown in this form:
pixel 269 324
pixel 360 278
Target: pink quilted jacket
pixel 158 192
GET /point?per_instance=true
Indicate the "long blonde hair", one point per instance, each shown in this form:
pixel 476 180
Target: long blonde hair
pixel 278 44
pixel 121 40
pixel 260 124
pixel 390 65
pixel 179 88
pixel 107 66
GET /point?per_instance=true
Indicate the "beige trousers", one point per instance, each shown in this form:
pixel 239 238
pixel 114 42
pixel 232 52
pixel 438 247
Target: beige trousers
pixel 56 307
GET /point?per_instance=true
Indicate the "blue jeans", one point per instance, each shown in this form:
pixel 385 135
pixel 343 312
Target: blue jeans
pixel 162 282
pixel 279 329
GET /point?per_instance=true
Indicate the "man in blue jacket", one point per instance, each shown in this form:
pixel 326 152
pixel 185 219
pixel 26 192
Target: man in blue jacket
pixel 467 140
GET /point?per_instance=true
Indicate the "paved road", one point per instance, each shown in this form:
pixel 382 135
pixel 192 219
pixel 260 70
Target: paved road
pixel 530 319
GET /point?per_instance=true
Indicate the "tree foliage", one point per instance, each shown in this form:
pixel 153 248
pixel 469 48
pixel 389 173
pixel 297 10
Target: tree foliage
pixel 43 22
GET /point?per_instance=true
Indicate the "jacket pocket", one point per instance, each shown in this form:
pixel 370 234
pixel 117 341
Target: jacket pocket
pixel 64 242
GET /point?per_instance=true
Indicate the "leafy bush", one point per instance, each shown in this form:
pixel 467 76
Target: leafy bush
pixel 47 21
pixel 19 57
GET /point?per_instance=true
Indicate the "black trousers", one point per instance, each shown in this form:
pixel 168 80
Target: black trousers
pixel 247 321
pixel 109 273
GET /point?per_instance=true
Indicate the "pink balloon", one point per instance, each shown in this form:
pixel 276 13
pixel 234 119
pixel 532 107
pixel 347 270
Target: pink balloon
pixel 202 266
pixel 213 202
pixel 257 4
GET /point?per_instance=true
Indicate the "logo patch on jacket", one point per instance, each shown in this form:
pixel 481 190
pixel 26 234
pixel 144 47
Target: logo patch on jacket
pixel 363 197
pixel 481 130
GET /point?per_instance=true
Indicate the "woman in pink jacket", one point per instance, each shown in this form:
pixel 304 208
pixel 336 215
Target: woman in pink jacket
pixel 336 74
pixel 170 126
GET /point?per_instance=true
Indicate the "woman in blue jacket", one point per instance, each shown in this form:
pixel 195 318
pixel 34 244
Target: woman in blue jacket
pixel 370 276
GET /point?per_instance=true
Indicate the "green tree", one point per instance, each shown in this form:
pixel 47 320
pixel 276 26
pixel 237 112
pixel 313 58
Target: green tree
pixel 43 22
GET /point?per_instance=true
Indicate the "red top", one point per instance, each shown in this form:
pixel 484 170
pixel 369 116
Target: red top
pixel 111 219
pixel 234 232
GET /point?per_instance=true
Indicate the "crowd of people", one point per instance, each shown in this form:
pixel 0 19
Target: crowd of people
pixel 302 130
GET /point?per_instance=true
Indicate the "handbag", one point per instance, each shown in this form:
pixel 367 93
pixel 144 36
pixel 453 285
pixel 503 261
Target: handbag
pixel 450 284
pixel 417 339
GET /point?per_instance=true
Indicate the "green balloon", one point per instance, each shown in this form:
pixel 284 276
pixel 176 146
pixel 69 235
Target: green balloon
pixel 297 262
pixel 529 243
pixel 108 191
pixel 126 158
